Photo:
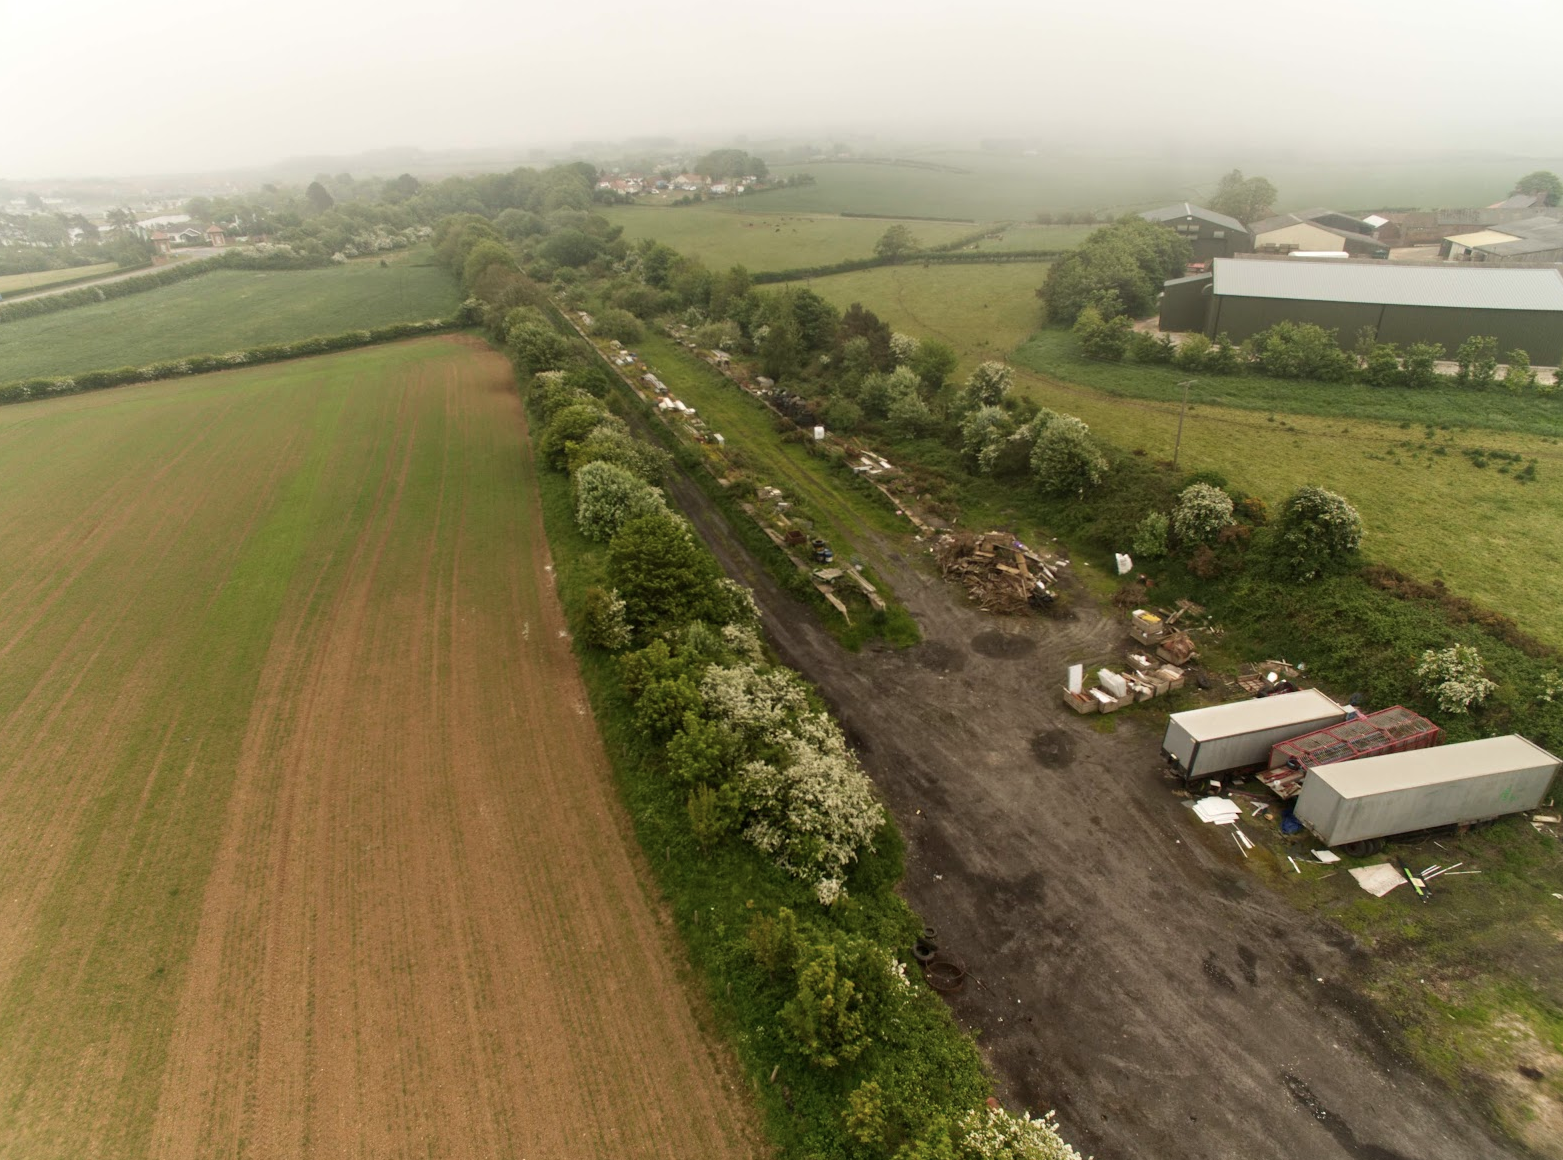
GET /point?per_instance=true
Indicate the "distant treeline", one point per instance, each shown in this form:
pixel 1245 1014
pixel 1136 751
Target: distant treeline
pixel 24 390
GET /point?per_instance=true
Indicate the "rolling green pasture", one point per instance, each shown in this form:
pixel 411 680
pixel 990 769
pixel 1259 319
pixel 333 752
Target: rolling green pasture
pixel 1054 352
pixel 1429 512
pixel 1428 509
pixel 16 283
pixel 1029 236
pixel 983 311
pixel 1009 186
pixel 724 235
pixel 223 311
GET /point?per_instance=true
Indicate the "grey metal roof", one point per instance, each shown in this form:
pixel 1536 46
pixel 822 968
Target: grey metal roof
pixel 1392 283
pixel 1535 234
pixel 1367 776
pixel 1320 211
pixel 1273 712
pixel 1517 201
pixel 1183 209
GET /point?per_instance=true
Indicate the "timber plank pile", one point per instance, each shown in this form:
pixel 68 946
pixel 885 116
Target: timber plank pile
pixel 999 573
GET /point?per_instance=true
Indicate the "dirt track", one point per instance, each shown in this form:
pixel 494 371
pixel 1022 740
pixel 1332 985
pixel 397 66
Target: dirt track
pixel 1131 975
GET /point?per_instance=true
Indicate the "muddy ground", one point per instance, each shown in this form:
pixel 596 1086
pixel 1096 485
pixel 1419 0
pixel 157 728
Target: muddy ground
pixel 1124 969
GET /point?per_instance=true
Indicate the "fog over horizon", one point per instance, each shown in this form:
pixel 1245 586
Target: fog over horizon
pixel 174 87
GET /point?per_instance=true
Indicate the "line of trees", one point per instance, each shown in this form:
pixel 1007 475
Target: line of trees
pixel 1302 350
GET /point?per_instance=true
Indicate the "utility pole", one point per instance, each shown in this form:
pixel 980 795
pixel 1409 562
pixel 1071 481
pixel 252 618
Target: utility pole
pixel 1183 410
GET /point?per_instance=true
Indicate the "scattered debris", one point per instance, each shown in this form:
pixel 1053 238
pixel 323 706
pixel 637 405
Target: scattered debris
pixel 1000 573
pixel 1222 811
pixel 1378 879
pixel 1326 856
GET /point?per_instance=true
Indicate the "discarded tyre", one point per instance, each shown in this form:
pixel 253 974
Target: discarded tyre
pixel 945 972
pixel 924 952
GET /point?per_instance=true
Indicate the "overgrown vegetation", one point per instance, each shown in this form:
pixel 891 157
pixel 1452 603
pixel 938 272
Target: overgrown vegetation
pixel 779 863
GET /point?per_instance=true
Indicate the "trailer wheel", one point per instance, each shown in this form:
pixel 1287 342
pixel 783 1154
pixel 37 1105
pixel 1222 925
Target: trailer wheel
pixel 1363 848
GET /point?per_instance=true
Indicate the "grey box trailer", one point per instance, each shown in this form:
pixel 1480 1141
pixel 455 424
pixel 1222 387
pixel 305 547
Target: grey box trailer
pixel 1358 802
pixel 1220 738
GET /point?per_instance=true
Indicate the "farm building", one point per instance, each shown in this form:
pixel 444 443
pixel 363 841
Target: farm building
pixel 1210 234
pixel 1531 240
pixel 1402 303
pixel 1319 233
pixel 1520 201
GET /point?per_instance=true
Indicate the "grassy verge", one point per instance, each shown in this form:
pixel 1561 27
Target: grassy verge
pixel 714 895
pixel 827 498
pixel 1055 352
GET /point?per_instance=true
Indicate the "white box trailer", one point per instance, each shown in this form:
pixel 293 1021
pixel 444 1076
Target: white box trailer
pixel 1220 738
pixel 1355 803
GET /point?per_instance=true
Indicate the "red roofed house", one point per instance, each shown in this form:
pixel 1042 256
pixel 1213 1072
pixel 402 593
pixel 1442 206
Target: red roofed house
pixel 216 235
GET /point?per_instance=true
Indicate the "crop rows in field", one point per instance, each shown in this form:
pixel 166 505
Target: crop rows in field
pixel 312 845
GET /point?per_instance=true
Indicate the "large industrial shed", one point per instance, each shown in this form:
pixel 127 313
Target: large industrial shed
pixel 1401 303
pixel 1210 234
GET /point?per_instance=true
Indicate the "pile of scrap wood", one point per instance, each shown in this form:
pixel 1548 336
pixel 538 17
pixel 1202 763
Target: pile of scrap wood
pixel 1160 633
pixel 998 572
pixel 1254 678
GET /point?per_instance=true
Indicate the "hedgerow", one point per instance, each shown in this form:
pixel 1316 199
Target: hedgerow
pixel 24 390
pixel 240 258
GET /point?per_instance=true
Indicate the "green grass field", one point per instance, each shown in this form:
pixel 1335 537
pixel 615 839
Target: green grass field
pixel 1432 514
pixel 983 311
pixel 729 234
pixel 288 702
pixel 15 283
pixel 1029 236
pixel 1012 186
pixel 223 311
pixel 1054 352
pixel 1427 509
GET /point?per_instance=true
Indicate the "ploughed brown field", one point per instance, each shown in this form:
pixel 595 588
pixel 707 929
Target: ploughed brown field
pixel 310 847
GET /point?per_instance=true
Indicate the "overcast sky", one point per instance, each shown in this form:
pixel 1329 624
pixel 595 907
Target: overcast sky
pixel 172 85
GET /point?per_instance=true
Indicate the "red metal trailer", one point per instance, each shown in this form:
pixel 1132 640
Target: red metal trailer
pixel 1394 730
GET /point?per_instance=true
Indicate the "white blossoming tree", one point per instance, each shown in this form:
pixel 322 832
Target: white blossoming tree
pixel 607 497
pixel 1202 511
pixel 1454 676
pixel 1066 460
pixel 995 1134
pixel 988 385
